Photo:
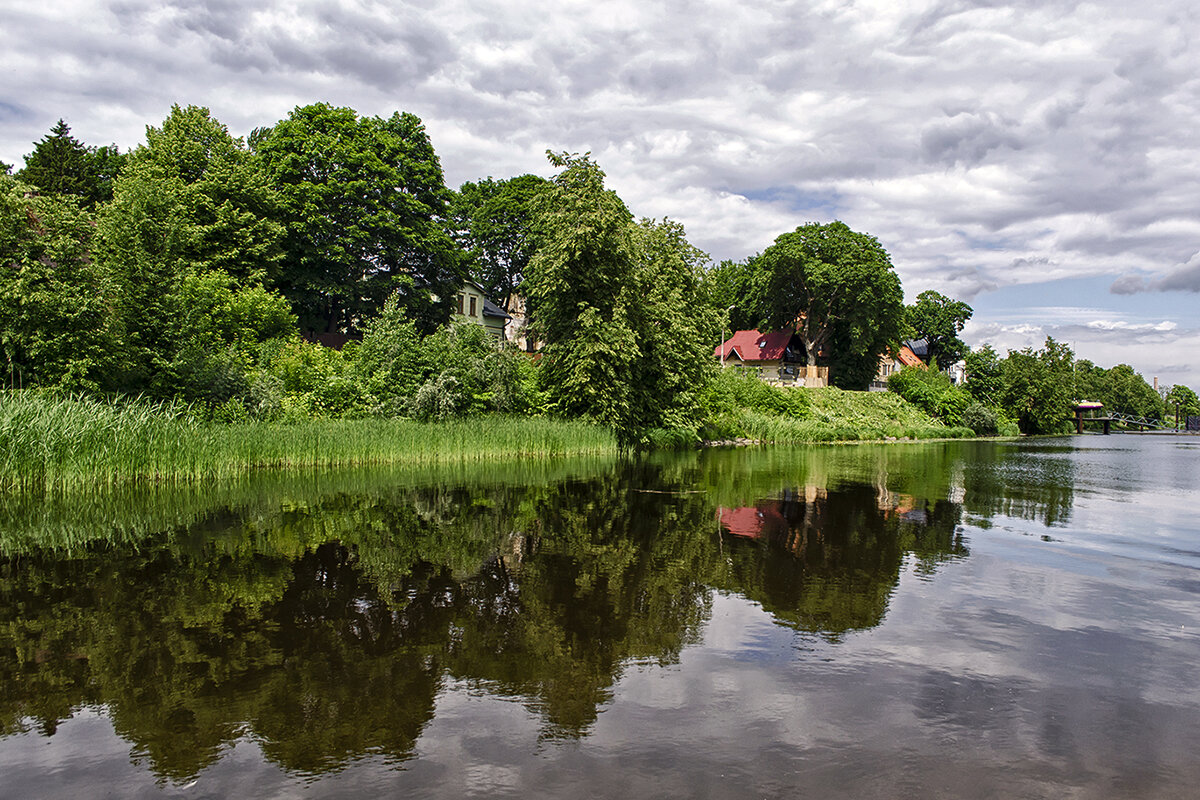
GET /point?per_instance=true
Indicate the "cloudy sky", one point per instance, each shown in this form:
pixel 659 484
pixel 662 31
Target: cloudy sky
pixel 1038 159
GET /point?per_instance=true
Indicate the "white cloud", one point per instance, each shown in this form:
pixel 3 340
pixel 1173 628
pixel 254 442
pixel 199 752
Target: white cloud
pixel 986 145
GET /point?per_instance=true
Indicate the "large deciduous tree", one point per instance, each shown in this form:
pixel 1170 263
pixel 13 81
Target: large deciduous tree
pixel 1037 387
pixel 627 342
pixel 1182 399
pixel 365 206
pixel 192 216
pixel 938 320
pixel 57 320
pixel 984 378
pixel 1120 388
pixel 493 225
pixel 61 164
pixel 838 290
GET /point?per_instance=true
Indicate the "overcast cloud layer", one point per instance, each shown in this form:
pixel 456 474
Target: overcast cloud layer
pixel 1040 160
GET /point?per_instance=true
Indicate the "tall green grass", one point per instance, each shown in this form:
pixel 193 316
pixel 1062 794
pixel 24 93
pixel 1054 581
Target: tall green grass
pixel 51 442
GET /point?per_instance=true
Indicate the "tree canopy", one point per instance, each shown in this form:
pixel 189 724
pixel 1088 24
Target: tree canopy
pixel 61 164
pixel 1185 399
pixel 365 208
pixel 938 320
pixel 57 322
pixel 1120 388
pixel 493 225
pixel 1037 387
pixel 838 289
pixel 615 302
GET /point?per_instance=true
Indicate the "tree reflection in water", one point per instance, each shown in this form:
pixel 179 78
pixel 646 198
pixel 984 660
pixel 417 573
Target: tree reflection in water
pixel 322 620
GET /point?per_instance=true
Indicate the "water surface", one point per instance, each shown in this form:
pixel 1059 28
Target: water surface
pixel 960 619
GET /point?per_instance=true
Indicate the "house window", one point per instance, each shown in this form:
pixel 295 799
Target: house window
pixel 472 306
pixel 460 304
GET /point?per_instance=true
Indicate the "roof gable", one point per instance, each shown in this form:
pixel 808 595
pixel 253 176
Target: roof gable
pixel 753 345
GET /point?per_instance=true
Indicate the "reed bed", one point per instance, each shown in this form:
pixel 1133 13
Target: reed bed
pixel 55 442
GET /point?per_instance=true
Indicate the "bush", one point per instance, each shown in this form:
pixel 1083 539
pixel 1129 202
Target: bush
pixel 932 392
pixel 438 399
pixel 734 389
pixel 981 419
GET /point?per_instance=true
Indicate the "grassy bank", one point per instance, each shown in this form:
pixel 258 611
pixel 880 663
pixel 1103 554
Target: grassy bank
pixel 54 442
pixel 748 408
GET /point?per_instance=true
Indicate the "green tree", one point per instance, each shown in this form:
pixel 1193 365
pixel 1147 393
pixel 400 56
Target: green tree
pixel 984 378
pixel 675 328
pixel 838 289
pixel 493 225
pixel 1185 399
pixel 617 305
pixel 938 320
pixel 365 206
pixel 577 298
pixel 57 321
pixel 61 164
pixel 192 201
pixel 1120 389
pixel 1037 387
pixel 730 286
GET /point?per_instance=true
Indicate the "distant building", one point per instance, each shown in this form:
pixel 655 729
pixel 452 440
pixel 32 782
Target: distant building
pixel 894 362
pixel 471 305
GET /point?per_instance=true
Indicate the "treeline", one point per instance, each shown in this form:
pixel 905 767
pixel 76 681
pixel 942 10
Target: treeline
pixel 1035 390
pixel 189 268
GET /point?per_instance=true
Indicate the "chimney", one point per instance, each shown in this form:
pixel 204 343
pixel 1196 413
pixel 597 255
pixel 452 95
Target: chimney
pixel 1156 383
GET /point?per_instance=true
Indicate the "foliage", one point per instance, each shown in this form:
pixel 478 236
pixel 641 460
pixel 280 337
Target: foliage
pixel 674 328
pixel 938 319
pixel 617 305
pixel 393 361
pixel 474 373
pixel 364 204
pixel 734 389
pixel 217 332
pixel 493 226
pixel 731 285
pixel 980 419
pixel 1120 389
pixel 61 164
pixel 1037 387
pixel 193 198
pixel 1185 399
pixel 740 405
pixel 57 321
pixel 839 290
pixel 984 375
pixel 931 391
pixel 191 222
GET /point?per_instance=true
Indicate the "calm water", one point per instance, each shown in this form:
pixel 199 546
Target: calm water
pixel 915 620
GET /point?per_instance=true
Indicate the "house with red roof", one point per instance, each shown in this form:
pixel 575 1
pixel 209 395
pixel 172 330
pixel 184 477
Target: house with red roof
pixel 776 357
pixel 894 362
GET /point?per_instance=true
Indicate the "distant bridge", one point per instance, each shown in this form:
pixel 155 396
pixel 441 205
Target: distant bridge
pixel 1143 423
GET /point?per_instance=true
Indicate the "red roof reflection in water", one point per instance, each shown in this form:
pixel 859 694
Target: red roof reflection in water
pixel 751 522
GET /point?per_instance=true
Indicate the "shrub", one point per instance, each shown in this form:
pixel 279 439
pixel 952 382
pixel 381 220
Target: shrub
pixel 733 389
pixel 932 392
pixel 438 399
pixel 981 419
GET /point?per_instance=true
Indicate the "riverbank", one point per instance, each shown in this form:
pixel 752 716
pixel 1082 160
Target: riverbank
pixel 810 416
pixel 51 442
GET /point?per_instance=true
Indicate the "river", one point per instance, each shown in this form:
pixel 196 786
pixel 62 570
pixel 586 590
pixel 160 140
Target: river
pixel 950 619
